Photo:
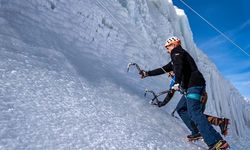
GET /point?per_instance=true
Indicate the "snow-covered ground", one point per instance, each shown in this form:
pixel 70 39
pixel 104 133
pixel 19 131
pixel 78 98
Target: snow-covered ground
pixel 64 83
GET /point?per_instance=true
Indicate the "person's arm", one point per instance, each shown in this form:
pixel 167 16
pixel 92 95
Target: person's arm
pixel 162 70
pixel 167 98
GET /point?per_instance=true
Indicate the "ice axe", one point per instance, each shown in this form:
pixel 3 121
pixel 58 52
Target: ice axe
pixel 154 100
pixel 134 64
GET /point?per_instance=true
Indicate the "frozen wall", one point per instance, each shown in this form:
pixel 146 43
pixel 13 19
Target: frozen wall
pixel 64 83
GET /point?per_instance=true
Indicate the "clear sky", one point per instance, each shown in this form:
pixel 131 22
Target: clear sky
pixel 232 17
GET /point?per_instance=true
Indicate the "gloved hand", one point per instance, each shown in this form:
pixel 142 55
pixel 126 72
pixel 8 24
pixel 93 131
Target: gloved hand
pixel 155 102
pixel 160 104
pixel 143 74
pixel 176 87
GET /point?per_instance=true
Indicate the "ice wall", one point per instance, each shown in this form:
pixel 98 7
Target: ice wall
pixel 63 65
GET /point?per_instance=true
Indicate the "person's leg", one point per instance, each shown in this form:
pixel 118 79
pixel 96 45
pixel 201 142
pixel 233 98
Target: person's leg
pixel 181 109
pixel 221 122
pixel 214 120
pixel 195 110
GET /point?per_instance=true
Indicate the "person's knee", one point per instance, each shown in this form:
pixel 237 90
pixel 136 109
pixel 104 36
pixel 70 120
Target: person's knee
pixel 195 115
pixel 178 111
pixel 192 115
pixel 181 111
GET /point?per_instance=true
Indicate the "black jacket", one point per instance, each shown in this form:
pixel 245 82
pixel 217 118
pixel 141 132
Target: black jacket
pixel 184 67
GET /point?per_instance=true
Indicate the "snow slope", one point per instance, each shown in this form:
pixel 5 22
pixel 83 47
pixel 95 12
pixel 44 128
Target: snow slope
pixel 64 84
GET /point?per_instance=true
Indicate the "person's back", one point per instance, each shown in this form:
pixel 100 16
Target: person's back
pixel 191 76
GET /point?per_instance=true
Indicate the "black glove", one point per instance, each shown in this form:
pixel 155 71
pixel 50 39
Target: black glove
pixel 160 104
pixel 166 99
pixel 143 74
pixel 155 102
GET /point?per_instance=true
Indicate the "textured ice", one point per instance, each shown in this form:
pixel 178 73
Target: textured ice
pixel 63 80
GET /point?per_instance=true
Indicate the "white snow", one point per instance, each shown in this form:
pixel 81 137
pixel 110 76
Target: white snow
pixel 64 84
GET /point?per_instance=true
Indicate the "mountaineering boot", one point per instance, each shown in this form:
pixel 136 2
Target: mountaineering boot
pixel 223 126
pixel 220 145
pixel 194 137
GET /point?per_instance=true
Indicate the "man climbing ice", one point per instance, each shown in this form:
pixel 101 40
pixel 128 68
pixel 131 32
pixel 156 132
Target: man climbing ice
pixel 192 81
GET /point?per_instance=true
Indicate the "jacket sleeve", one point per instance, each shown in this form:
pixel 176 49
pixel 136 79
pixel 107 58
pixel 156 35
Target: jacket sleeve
pixel 167 98
pixel 162 70
pixel 178 66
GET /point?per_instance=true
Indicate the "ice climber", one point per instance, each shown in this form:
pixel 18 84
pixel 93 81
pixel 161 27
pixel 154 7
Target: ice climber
pixel 190 79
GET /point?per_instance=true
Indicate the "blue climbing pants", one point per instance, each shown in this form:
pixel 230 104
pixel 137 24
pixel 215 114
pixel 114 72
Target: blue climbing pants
pixel 190 109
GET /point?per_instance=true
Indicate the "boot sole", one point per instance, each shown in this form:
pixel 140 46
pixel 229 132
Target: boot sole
pixel 194 139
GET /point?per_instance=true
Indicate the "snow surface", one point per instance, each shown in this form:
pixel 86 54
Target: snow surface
pixel 64 84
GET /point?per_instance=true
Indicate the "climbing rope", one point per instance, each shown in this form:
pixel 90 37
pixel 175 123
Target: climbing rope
pixel 216 29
